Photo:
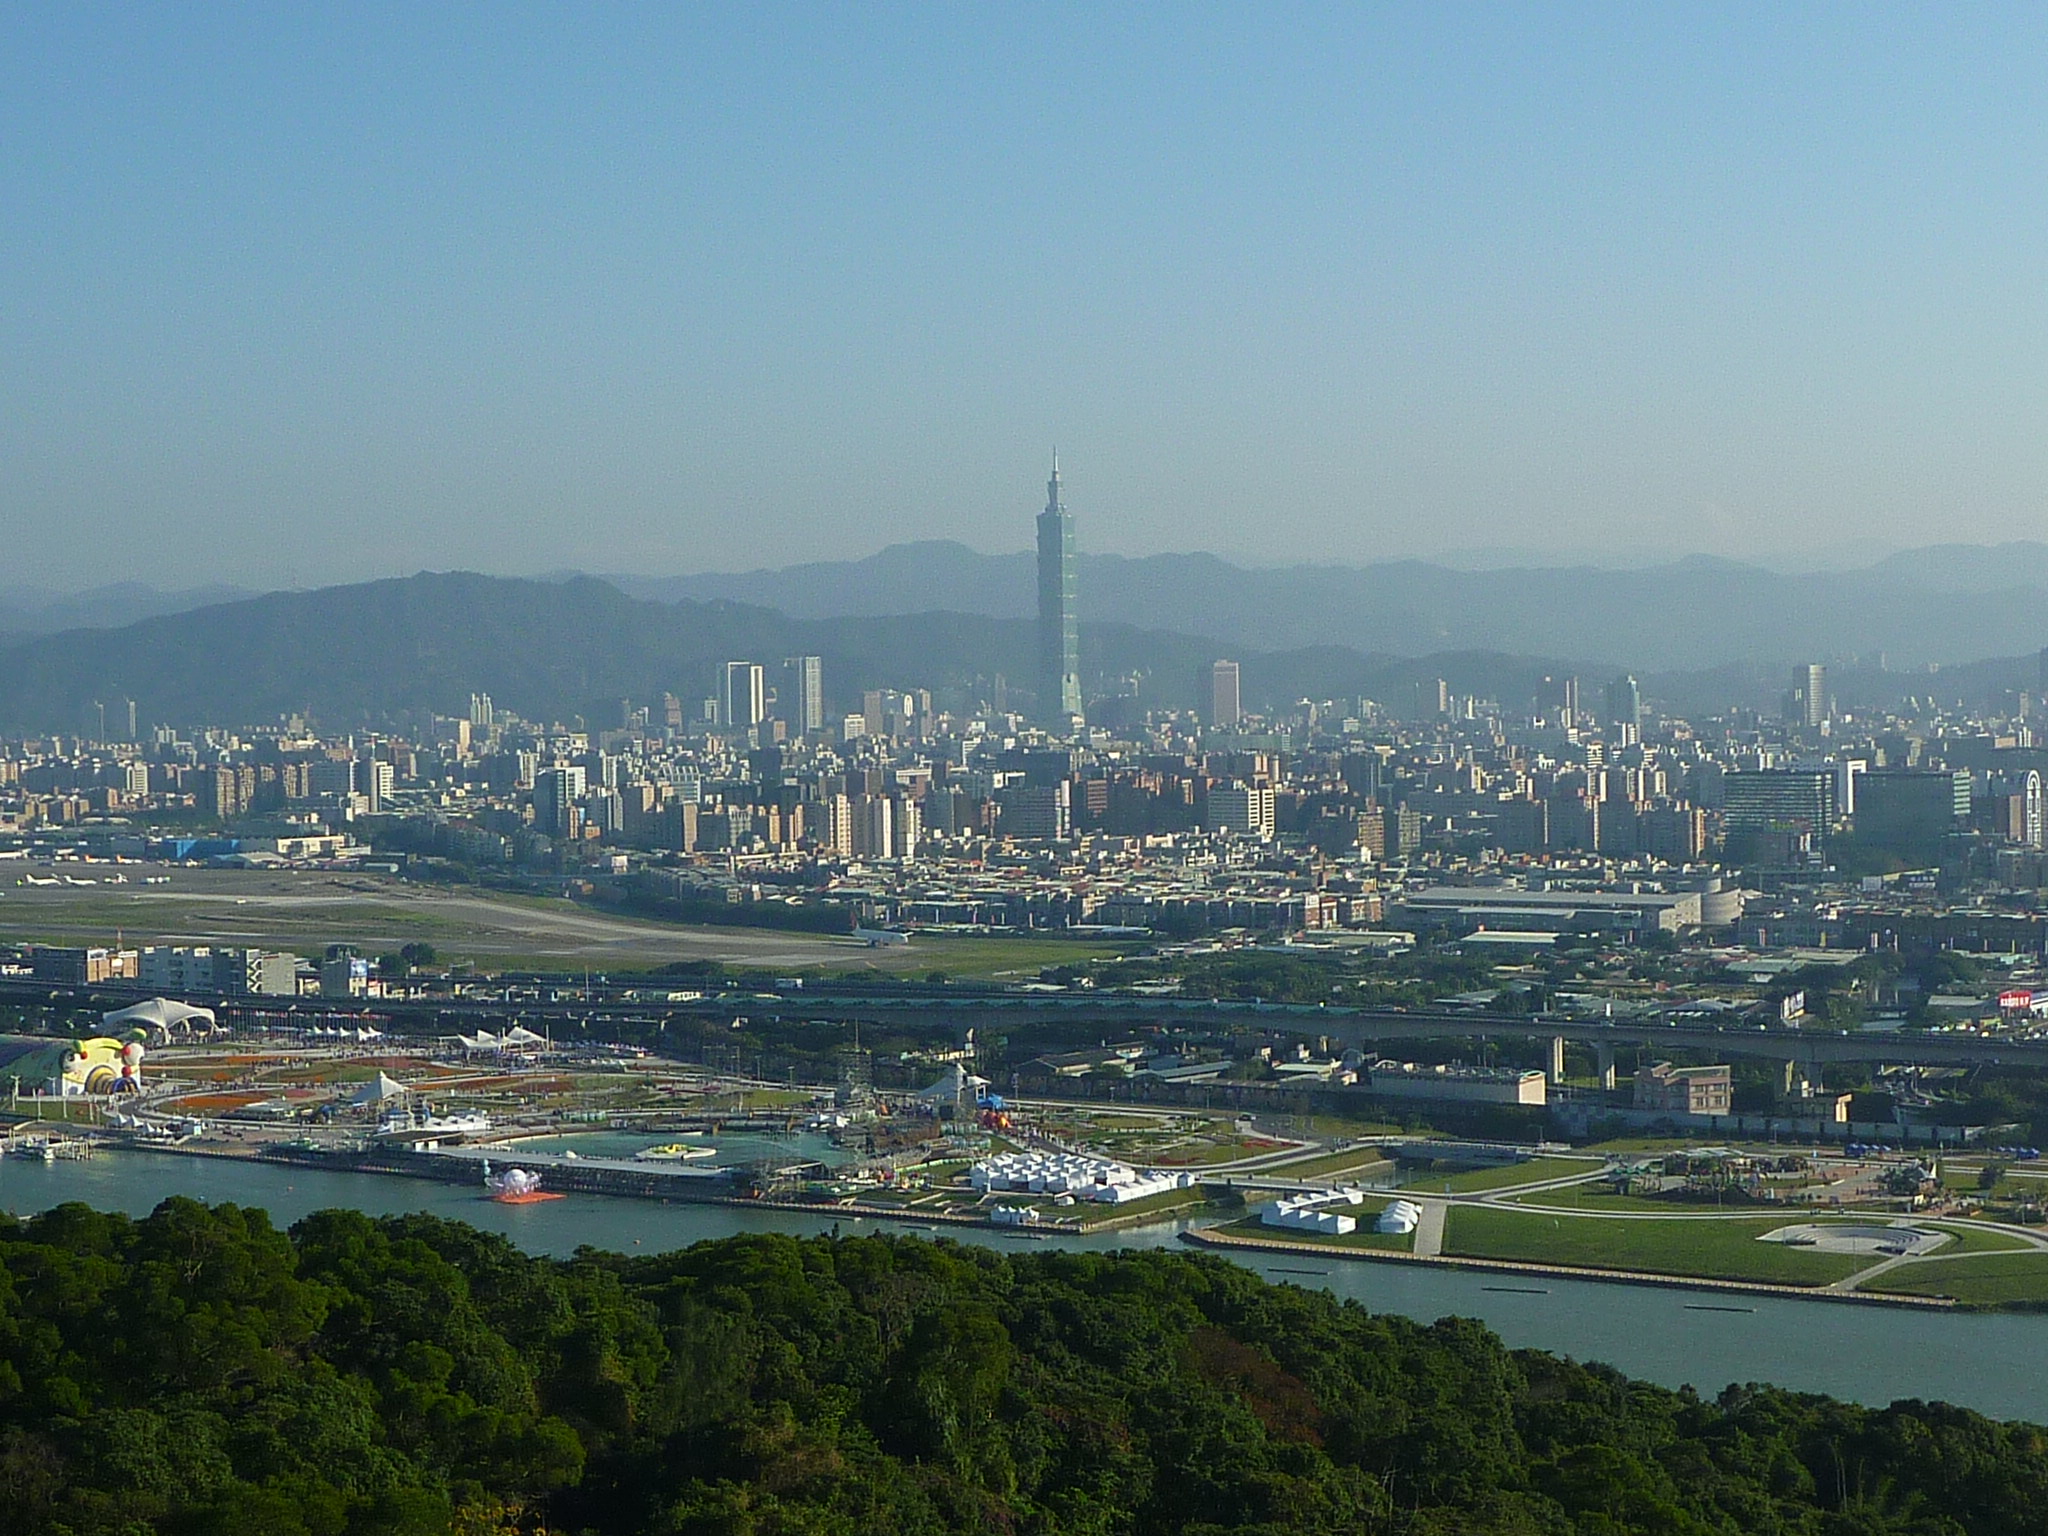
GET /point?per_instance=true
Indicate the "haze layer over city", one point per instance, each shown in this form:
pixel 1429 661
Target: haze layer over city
pixel 793 769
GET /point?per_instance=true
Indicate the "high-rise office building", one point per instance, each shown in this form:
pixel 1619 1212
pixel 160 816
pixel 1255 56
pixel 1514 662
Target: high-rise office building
pixel 376 781
pixel 1059 628
pixel 742 699
pixel 1810 695
pixel 874 824
pixel 801 693
pixel 1911 813
pixel 1246 809
pixel 1560 697
pixel 1804 798
pixel 1225 703
pixel 1625 703
pixel 555 793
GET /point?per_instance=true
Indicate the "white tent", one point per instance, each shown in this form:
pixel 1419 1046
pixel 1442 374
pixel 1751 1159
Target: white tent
pixel 161 1017
pixel 520 1035
pixel 1399 1216
pixel 380 1089
pixel 957 1085
pixel 482 1040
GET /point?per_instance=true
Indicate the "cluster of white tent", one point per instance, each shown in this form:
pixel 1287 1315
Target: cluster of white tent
pixel 166 1020
pixel 1315 1211
pixel 517 1038
pixel 362 1034
pixel 1327 1211
pixel 1064 1173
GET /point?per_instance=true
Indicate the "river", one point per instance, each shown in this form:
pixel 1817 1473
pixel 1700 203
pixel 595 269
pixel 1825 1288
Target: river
pixel 1988 1362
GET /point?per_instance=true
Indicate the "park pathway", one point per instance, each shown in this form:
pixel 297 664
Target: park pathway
pixel 1429 1231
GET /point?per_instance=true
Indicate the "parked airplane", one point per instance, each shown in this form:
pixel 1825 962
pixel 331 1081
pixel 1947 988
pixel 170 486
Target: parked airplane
pixel 878 938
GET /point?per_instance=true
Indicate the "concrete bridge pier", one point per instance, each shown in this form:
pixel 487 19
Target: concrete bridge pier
pixel 1556 1060
pixel 1802 1079
pixel 1605 1052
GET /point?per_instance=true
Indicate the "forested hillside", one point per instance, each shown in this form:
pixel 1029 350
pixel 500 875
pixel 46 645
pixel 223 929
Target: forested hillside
pixel 198 1371
pixel 381 651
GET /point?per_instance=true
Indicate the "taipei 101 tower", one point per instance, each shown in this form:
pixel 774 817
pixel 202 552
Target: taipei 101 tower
pixel 1059 629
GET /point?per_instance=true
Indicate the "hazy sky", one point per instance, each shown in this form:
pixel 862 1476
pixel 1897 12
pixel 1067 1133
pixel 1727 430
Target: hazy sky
pixel 296 297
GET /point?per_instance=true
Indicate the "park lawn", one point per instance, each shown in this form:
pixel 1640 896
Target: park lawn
pixel 1975 1240
pixel 1710 1249
pixel 1153 1207
pixel 1079 1124
pixel 1995 1280
pixel 968 955
pixel 55 1111
pixel 1364 1237
pixel 1350 1160
pixel 1597 1197
pixel 1218 1152
pixel 1473 1181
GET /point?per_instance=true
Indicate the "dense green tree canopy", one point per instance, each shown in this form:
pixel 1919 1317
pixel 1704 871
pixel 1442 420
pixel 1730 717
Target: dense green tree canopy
pixel 199 1371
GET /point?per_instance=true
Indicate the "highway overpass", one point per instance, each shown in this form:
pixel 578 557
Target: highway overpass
pixel 987 1010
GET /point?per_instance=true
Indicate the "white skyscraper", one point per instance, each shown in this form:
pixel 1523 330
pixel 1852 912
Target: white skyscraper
pixel 802 694
pixel 742 701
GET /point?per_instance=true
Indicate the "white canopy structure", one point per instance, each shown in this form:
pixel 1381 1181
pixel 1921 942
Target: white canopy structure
pixel 162 1018
pixel 955 1086
pixel 517 1038
pixel 380 1089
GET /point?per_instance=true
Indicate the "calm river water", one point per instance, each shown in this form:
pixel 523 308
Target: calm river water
pixel 1869 1354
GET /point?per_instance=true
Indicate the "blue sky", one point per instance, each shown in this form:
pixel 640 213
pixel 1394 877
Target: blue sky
pixel 296 297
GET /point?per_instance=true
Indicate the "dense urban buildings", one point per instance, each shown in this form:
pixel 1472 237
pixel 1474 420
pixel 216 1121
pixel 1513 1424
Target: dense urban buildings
pixel 909 804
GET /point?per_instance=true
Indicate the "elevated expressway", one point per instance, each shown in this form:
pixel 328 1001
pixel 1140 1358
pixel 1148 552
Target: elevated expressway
pixel 1388 1027
pixel 1112 1013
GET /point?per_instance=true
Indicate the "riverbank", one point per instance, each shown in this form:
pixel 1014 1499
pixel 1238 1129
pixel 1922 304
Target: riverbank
pixel 1987 1361
pixel 659 1183
pixel 1209 1237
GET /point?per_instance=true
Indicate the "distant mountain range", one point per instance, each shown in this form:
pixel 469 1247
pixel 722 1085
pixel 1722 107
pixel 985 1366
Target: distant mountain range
pixel 35 611
pixel 1701 634
pixel 1946 603
pixel 379 651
